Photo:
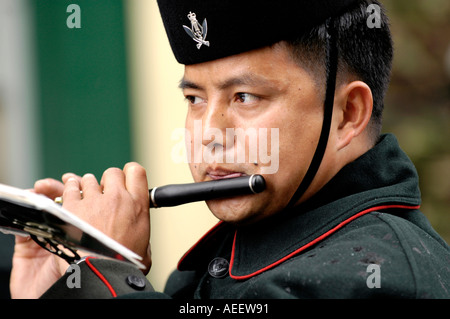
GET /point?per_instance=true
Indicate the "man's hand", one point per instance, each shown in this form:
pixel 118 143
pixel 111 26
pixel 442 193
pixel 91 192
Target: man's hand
pixel 35 269
pixel 118 206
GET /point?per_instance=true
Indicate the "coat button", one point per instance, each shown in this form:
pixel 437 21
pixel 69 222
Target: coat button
pixel 135 282
pixel 218 267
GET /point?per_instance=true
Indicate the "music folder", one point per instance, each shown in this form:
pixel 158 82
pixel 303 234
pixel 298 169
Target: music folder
pixel 56 229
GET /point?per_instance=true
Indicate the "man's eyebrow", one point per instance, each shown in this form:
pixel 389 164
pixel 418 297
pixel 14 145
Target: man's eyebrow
pixel 185 84
pixel 248 79
pixel 245 79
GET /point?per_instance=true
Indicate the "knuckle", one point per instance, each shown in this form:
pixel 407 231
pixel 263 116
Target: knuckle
pixel 71 184
pixel 134 168
pixel 88 176
pixel 88 179
pixel 112 170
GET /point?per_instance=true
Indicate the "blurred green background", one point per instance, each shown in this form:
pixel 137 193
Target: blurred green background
pixel 83 87
pixel 417 107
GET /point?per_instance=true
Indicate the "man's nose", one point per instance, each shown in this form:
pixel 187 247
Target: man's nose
pixel 215 122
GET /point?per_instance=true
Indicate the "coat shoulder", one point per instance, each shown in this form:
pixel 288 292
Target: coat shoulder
pixel 376 255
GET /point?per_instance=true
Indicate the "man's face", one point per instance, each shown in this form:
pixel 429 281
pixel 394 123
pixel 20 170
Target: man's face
pixel 265 94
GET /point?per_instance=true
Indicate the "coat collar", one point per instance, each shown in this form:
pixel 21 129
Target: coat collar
pixel 383 178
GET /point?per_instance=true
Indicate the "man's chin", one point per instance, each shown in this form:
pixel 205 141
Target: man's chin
pixel 236 210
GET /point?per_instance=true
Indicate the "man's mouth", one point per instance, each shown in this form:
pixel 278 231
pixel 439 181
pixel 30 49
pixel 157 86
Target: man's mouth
pixel 217 174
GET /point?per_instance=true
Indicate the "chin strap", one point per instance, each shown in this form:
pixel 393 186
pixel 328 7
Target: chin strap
pixel 331 70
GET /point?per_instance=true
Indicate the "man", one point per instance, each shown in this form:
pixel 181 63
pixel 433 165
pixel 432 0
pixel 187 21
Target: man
pixel 339 217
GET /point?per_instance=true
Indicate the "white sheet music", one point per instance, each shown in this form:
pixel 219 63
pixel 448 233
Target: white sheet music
pixel 35 202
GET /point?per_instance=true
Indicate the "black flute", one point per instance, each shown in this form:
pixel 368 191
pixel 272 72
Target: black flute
pixel 178 194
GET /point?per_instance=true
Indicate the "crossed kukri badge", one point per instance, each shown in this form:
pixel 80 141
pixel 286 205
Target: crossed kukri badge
pixel 197 32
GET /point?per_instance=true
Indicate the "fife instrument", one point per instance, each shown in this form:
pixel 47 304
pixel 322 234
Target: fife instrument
pixel 178 194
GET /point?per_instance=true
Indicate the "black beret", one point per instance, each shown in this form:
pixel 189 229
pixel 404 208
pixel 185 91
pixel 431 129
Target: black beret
pixel 205 30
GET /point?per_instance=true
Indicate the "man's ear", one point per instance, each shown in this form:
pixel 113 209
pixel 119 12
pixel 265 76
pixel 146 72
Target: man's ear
pixel 354 110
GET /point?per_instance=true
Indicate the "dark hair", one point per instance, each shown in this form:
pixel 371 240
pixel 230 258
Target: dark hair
pixel 365 52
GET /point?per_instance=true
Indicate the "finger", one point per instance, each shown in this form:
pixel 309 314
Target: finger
pixel 66 177
pixel 113 179
pixel 89 185
pixel 49 187
pixel 136 181
pixel 72 190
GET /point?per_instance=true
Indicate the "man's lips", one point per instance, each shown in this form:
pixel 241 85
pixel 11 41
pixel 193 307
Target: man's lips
pixel 222 174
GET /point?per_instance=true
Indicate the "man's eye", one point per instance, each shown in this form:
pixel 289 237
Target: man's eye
pixel 246 98
pixel 194 99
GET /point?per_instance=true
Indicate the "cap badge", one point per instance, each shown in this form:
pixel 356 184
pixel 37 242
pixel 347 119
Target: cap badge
pixel 197 32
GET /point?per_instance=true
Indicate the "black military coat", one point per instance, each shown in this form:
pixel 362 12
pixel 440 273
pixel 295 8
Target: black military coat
pixel 361 236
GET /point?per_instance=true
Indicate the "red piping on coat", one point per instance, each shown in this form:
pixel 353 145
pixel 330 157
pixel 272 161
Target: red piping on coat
pixel 311 243
pixel 99 275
